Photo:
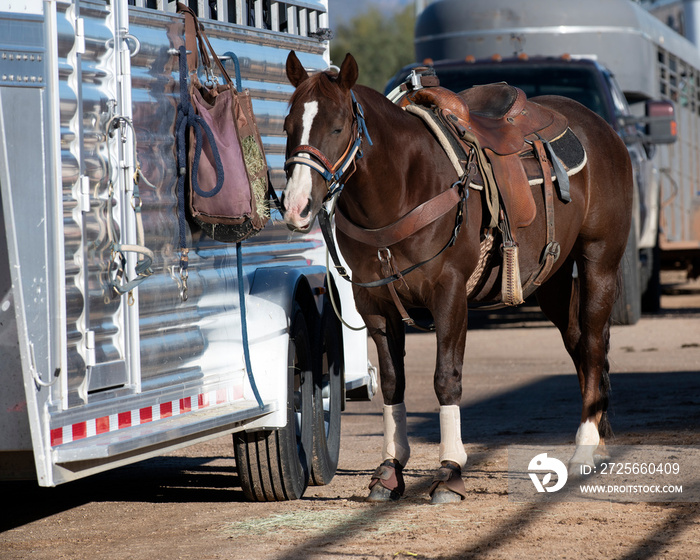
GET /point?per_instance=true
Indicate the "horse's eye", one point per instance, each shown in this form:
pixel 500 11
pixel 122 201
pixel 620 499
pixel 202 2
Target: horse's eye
pixel 337 131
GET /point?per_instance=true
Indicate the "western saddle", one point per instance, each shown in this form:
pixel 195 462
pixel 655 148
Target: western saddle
pixel 511 138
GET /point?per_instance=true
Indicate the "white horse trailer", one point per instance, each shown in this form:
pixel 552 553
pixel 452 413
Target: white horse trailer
pixel 93 379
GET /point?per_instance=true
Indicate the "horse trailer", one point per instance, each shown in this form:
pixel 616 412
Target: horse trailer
pixel 97 373
pixel 648 60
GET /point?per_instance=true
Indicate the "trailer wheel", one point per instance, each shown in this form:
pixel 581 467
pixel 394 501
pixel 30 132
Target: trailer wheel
pixel 328 400
pixel 628 307
pixel 274 465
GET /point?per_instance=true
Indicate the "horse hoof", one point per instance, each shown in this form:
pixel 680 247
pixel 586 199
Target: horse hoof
pixel 601 455
pixel 443 495
pixel 448 486
pixel 387 483
pixel 379 494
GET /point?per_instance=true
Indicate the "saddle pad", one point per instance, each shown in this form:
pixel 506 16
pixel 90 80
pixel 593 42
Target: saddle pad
pixel 568 149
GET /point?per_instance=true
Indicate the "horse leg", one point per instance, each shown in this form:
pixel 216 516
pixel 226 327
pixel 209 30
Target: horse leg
pixel 387 331
pixel 581 308
pixel 451 327
pixel 598 290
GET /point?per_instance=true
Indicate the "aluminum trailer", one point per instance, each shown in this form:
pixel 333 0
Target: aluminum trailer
pixel 649 61
pixel 93 380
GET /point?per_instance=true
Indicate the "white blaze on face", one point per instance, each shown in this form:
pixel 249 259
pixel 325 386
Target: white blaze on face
pixel 298 189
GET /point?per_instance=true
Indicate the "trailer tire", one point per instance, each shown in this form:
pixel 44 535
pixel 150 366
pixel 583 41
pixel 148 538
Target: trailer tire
pixel 274 465
pixel 328 399
pixel 628 307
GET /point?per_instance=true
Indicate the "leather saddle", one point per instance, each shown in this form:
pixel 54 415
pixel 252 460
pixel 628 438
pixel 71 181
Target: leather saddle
pixel 503 123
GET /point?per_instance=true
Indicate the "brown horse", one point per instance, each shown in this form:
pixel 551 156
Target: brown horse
pixel 402 168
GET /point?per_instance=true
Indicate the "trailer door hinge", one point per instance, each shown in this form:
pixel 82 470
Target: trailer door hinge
pixel 80 36
pixel 90 348
pixel 84 193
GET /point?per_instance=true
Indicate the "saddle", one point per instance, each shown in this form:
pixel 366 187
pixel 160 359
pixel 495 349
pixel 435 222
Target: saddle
pixel 511 138
pixel 503 123
pixel 500 115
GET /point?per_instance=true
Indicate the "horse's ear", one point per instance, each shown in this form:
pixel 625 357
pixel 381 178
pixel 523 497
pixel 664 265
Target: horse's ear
pixel 295 70
pixel 348 72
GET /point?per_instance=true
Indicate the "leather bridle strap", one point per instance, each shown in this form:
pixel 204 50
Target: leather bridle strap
pixel 333 173
pixel 317 160
pixel 323 166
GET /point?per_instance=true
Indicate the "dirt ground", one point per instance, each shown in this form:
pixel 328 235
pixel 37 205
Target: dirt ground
pixel 520 388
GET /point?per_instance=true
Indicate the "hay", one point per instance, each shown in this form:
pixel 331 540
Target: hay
pixel 255 164
pixel 254 160
pixel 262 203
pixel 338 522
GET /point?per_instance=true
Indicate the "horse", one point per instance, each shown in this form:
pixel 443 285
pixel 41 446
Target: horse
pixel 388 162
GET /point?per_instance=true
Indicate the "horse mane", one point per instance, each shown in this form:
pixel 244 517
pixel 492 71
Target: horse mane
pixel 321 84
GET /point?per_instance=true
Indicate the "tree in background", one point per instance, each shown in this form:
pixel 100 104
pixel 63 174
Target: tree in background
pixel 380 43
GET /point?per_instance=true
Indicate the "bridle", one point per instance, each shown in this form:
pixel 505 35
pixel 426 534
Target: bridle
pixel 333 173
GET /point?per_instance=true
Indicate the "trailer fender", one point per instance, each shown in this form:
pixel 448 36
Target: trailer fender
pixel 279 288
pixel 285 285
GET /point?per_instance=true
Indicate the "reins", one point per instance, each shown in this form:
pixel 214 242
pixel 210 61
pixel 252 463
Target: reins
pixel 383 253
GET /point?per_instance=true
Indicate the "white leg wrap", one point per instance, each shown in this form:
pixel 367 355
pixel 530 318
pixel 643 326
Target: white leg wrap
pixel 395 434
pixel 587 434
pixel 587 440
pixel 451 446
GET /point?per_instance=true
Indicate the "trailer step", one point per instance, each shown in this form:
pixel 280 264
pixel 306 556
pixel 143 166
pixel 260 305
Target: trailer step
pixel 196 425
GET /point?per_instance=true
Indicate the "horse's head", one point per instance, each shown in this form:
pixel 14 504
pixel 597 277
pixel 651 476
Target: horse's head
pixel 322 138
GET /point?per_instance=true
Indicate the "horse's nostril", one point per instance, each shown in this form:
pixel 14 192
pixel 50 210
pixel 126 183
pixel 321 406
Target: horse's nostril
pixel 306 210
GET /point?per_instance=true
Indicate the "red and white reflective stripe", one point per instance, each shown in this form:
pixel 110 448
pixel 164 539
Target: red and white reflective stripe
pixel 136 417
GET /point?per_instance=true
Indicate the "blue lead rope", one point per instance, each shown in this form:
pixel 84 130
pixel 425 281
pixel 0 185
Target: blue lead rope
pixel 244 325
pixel 186 119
